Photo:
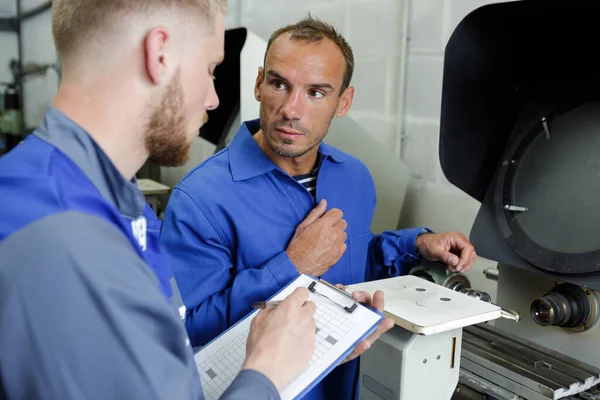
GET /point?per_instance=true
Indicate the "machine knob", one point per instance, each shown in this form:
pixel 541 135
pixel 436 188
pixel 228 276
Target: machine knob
pixel 478 294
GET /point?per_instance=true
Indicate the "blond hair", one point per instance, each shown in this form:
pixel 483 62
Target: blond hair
pixel 75 21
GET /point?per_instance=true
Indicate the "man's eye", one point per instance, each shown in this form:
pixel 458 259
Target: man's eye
pixel 278 85
pixel 316 94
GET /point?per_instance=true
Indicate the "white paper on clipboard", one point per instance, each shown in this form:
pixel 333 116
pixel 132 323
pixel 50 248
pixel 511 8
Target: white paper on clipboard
pixel 338 332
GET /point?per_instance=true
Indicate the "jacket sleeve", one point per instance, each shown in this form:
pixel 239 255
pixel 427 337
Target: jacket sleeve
pixel 393 253
pixel 216 292
pixel 251 384
pixel 82 317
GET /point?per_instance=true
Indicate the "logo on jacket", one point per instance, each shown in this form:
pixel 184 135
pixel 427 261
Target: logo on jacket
pixel 138 227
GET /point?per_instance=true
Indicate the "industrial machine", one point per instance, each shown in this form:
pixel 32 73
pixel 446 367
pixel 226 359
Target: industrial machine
pixel 520 133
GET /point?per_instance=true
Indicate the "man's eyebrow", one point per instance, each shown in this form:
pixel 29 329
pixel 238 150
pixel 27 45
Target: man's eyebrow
pixel 276 75
pixel 323 85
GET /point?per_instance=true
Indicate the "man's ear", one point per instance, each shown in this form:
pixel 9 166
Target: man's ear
pixel 156 60
pixel 259 80
pixel 345 102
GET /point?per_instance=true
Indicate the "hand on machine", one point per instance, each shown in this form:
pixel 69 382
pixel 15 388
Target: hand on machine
pixel 451 248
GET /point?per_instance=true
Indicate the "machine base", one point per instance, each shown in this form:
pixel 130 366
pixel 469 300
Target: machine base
pixel 402 365
pixel 505 366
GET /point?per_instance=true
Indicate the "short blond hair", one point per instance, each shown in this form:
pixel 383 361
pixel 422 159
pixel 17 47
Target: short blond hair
pixel 74 21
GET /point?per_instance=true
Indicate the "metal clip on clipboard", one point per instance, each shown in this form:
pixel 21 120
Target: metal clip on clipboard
pixel 312 288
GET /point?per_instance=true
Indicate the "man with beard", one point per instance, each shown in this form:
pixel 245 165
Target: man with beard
pixel 87 305
pixel 278 202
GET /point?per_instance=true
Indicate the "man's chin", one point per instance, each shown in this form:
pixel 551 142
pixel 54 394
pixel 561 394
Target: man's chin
pixel 171 159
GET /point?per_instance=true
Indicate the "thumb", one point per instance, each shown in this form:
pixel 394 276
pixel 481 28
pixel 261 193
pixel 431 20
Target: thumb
pixel 315 213
pixel 450 259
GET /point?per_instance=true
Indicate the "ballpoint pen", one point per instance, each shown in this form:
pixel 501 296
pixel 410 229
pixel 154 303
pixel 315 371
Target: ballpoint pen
pixel 265 304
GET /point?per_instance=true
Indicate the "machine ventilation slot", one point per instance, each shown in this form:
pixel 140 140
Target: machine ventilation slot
pixel 453 353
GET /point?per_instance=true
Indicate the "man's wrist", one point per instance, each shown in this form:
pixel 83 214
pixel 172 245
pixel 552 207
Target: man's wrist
pixel 292 257
pixel 282 268
pixel 419 240
pixel 264 370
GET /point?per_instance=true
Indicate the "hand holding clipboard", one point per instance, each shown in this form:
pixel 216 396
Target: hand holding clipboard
pixel 340 334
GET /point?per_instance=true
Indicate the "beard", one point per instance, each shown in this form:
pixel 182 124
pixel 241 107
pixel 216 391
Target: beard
pixel 166 141
pixel 285 148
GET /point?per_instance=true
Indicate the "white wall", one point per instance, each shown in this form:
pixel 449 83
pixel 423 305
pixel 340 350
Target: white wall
pixel 8 42
pixel 431 200
pixel 38 47
pixel 374 30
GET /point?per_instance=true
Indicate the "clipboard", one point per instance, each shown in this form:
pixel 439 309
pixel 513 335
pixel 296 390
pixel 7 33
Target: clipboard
pixel 342 323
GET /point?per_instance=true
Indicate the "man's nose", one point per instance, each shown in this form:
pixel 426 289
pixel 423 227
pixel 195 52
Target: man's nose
pixel 212 99
pixel 293 108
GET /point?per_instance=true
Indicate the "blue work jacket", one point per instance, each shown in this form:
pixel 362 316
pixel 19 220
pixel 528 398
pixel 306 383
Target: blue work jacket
pixel 86 300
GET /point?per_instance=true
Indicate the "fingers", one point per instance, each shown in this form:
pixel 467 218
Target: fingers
pixel 314 215
pixel 341 224
pixel 343 249
pixel 467 258
pixel 461 245
pixel 333 216
pixel 451 260
pixel 383 327
pixel 297 298
pixel 260 316
pixel 366 344
pixel 363 297
pixel 471 261
pixel 340 243
pixel 310 307
pixel 378 301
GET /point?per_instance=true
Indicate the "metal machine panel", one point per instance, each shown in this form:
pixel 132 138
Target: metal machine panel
pixel 518 133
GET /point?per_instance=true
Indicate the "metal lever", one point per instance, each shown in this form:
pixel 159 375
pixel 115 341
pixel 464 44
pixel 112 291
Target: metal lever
pixel 510 314
pixel 546 129
pixel 483 296
pixel 515 208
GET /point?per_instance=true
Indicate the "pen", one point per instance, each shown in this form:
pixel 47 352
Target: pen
pixel 266 304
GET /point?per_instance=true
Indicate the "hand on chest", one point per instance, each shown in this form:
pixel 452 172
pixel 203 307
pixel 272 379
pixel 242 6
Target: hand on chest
pixel 270 222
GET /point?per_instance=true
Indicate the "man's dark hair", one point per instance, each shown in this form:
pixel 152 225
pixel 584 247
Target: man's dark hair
pixel 312 29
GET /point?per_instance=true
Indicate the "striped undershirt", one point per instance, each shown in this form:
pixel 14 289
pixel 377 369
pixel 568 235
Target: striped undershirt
pixel 309 181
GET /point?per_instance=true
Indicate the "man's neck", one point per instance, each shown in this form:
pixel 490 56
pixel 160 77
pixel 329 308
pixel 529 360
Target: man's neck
pixel 108 121
pixel 292 166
